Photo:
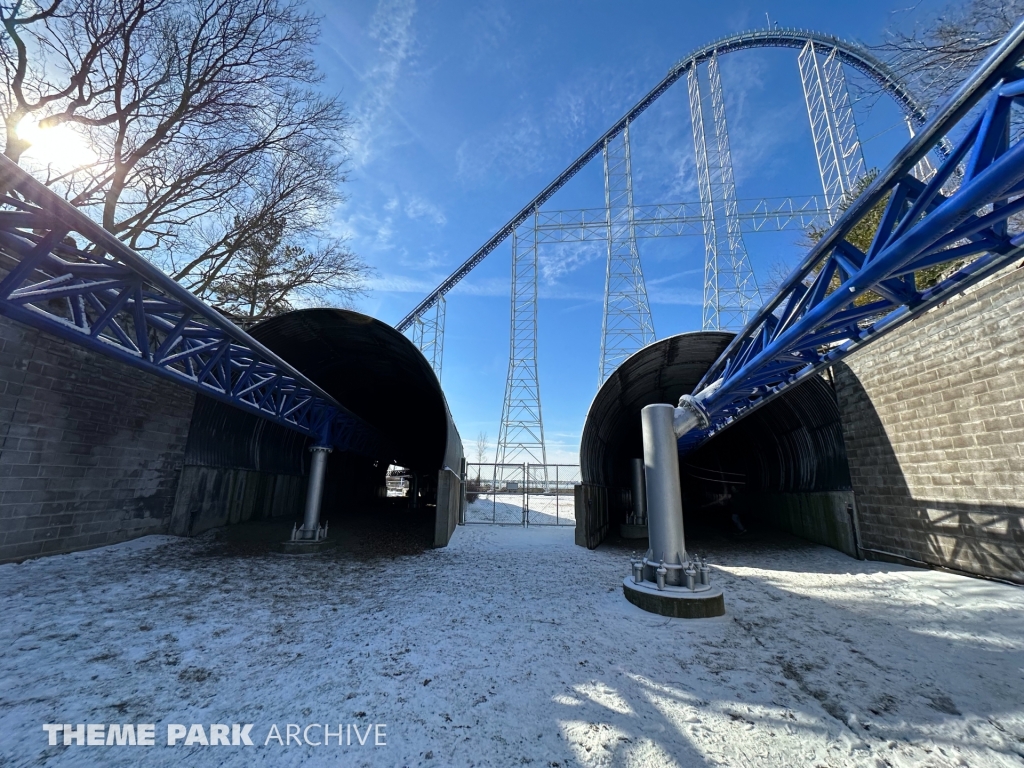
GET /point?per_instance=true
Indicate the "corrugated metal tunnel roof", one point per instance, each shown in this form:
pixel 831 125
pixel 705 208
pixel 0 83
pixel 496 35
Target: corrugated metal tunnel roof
pixel 794 443
pixel 368 366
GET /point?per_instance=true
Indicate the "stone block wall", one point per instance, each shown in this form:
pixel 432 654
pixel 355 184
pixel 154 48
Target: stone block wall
pixel 90 449
pixel 933 419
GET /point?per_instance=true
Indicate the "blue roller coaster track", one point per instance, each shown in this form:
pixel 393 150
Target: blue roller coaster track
pixel 65 274
pixel 841 298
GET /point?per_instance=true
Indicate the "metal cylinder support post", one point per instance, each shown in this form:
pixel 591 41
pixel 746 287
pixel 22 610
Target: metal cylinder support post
pixel 314 493
pixel 666 581
pixel 664 496
pixel 639 491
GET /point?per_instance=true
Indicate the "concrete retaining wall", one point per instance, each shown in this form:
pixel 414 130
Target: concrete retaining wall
pixel 90 449
pixel 933 419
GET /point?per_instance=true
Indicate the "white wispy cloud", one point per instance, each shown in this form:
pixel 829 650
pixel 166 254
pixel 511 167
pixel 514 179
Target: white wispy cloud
pixel 400 283
pixel 392 29
pixel 418 208
pixel 562 259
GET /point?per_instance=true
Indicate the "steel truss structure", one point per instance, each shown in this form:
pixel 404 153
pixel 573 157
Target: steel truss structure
pixel 727 285
pixel 65 274
pixel 521 436
pixel 840 298
pixel 849 53
pixel 730 290
pixel 427 333
pixel 833 128
pixel 731 294
pixel 626 325
pixel 765 214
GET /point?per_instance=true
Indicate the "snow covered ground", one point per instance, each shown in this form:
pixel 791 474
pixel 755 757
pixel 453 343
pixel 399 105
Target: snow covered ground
pixel 510 647
pixel 507 509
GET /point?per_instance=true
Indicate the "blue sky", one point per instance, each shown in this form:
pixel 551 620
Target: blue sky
pixel 465 110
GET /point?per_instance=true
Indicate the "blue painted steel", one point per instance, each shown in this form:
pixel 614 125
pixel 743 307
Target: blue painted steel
pixel 102 295
pixel 813 320
pixel 851 53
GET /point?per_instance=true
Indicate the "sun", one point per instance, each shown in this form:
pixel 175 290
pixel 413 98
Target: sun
pixel 60 146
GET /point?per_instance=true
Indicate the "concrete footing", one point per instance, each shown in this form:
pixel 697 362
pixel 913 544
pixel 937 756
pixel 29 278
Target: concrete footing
pixel 306 547
pixel 631 531
pixel 678 602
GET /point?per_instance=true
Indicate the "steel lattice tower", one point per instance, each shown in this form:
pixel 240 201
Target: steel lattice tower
pixel 427 333
pixel 521 436
pixel 731 294
pixel 833 128
pixel 627 325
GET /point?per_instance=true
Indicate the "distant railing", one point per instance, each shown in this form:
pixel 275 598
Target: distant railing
pixel 521 494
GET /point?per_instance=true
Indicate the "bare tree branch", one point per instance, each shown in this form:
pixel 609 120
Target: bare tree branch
pixel 208 132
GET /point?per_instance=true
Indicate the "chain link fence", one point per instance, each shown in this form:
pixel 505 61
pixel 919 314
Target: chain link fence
pixel 521 494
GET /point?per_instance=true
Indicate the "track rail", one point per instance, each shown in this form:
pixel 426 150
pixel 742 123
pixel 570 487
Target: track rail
pixel 851 53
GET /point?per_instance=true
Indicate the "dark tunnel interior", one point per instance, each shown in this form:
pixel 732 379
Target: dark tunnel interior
pixel 792 445
pixel 375 372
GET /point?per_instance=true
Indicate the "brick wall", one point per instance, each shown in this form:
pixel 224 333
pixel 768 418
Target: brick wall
pixel 933 419
pixel 90 449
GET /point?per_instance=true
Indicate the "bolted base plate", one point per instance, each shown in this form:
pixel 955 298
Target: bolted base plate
pixel 306 547
pixel 677 602
pixel 630 531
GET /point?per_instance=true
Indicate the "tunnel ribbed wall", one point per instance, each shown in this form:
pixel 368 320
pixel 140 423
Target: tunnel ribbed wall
pixel 238 466
pixel 786 460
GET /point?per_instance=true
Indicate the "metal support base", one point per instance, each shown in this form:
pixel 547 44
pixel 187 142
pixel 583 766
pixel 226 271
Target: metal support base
pixel 667 580
pixel 306 547
pixel 677 602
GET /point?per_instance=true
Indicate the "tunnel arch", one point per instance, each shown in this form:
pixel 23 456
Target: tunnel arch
pixel 372 370
pixel 792 446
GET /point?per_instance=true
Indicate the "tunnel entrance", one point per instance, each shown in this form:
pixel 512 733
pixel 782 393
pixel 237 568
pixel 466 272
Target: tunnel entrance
pixel 783 466
pixel 239 467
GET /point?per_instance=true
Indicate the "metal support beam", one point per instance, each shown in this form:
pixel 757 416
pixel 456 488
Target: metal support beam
pixel 664 497
pixel 731 294
pixel 639 491
pixel 427 333
pixel 521 435
pixel 311 530
pixel 626 325
pixel 763 214
pixel 833 127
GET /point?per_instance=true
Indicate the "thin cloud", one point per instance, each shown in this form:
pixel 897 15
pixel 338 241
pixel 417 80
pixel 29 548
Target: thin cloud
pixel 392 29
pixel 418 208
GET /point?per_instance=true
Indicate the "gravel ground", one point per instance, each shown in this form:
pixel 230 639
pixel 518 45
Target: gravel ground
pixel 509 647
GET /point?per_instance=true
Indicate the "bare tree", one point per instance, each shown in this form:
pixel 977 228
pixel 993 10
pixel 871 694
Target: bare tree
pixel 481 452
pixel 208 131
pixel 267 275
pixel 936 56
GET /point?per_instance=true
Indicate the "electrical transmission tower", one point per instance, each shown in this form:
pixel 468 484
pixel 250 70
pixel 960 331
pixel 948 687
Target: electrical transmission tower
pixel 521 436
pixel 427 333
pixel 833 128
pixel 627 325
pixel 731 294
